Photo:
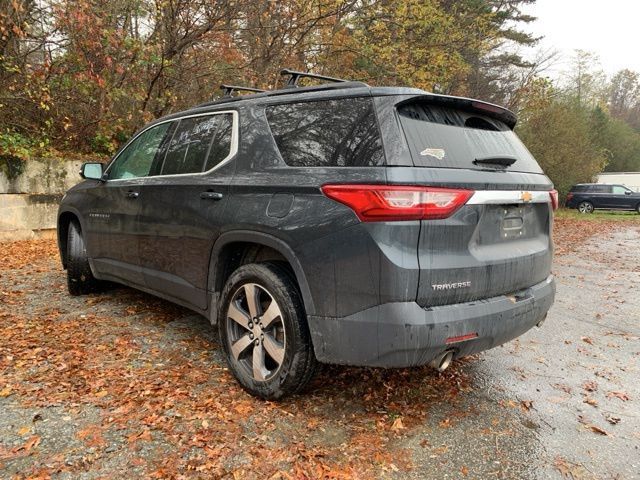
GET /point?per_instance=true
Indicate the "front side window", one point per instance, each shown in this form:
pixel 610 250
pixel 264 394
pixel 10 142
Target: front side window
pixel 198 144
pixel 333 133
pixel 137 157
pixel 619 190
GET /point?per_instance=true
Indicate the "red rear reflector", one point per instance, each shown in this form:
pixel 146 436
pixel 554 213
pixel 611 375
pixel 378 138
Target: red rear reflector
pixel 383 203
pixel 461 338
pixel 554 199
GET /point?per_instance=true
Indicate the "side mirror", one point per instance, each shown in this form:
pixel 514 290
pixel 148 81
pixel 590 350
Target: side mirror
pixel 627 192
pixel 91 171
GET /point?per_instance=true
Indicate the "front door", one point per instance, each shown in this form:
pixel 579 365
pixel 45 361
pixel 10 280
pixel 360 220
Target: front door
pixel 621 198
pixel 113 221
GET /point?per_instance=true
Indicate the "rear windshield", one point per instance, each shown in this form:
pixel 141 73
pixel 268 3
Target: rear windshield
pixel 449 138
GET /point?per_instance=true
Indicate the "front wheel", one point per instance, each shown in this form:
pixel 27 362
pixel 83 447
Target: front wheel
pixel 585 207
pixel 264 332
pixel 80 279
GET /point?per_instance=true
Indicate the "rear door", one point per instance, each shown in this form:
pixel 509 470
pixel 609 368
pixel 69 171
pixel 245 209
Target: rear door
pixel 500 241
pixel 600 196
pixel 183 204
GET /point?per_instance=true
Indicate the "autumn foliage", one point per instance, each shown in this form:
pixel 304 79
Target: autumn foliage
pixel 124 385
pixel 80 76
pixel 84 74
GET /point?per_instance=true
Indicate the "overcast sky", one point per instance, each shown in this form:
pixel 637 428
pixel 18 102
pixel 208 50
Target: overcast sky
pixel 610 28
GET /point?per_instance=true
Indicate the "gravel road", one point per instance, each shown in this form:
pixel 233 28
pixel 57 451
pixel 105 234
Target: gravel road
pixel 123 385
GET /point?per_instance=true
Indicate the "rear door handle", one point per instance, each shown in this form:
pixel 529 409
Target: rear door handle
pixel 211 196
pixel 132 194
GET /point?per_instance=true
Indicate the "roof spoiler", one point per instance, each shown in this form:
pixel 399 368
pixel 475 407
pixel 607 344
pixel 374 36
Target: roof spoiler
pixel 476 106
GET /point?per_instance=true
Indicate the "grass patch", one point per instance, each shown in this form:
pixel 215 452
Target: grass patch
pixel 598 216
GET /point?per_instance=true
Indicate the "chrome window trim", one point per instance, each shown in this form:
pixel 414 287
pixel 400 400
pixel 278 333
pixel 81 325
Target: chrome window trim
pixel 232 153
pixel 499 197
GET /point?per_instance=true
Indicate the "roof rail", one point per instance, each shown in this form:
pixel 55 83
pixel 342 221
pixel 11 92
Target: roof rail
pixel 229 89
pixel 294 76
pixel 340 84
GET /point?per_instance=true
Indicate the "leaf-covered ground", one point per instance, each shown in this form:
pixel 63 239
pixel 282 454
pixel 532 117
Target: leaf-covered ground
pixel 124 385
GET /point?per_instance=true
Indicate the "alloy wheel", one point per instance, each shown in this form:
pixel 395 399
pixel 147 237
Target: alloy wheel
pixel 585 207
pixel 255 331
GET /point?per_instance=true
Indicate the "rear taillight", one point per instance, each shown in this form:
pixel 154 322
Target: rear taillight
pixel 383 203
pixel 554 199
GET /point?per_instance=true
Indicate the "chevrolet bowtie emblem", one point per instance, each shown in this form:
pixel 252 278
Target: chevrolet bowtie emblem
pixel 526 197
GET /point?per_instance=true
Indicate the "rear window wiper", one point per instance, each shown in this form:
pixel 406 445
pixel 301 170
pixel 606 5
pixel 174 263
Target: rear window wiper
pixel 502 160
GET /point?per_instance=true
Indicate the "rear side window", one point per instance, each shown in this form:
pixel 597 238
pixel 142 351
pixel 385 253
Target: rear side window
pixel 221 144
pixel 198 144
pixel 450 138
pixel 579 188
pixel 600 189
pixel 330 133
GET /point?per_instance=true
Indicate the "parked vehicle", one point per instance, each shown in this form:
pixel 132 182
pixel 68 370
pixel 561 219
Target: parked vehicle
pixel 587 197
pixel 338 223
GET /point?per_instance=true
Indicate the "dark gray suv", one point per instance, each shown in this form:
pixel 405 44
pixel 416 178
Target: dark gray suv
pixel 338 223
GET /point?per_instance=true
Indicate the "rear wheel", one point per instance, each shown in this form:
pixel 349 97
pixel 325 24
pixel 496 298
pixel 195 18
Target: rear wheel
pixel 80 280
pixel 585 207
pixel 264 333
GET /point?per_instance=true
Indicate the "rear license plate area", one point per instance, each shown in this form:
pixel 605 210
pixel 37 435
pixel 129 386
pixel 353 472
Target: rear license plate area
pixel 512 223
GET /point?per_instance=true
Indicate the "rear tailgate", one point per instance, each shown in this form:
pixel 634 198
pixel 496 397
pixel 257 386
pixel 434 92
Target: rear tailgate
pixel 484 250
pixel 499 243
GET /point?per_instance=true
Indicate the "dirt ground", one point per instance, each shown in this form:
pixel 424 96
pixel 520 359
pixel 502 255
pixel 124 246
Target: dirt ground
pixel 124 385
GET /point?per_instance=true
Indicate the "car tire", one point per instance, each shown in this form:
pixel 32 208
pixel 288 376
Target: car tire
pixel 264 332
pixel 80 279
pixel 638 208
pixel 585 207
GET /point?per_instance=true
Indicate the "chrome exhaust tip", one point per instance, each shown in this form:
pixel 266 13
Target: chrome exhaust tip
pixel 442 361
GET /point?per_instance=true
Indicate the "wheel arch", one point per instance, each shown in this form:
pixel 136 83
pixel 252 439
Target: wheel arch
pixel 229 241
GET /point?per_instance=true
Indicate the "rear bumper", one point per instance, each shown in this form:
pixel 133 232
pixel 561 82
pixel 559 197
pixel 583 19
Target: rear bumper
pixel 405 334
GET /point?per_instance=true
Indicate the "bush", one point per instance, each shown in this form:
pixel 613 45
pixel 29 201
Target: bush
pixel 558 132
